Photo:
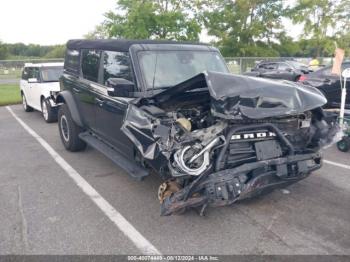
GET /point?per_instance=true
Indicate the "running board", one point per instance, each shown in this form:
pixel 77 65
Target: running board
pixel 134 170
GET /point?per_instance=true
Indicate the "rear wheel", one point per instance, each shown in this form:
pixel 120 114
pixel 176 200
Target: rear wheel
pixel 25 105
pixel 344 144
pixel 69 131
pixel 49 114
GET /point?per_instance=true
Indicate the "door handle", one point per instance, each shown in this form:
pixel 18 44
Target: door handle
pixel 76 90
pixel 99 101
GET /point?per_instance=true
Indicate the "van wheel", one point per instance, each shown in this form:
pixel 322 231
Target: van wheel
pixel 69 131
pixel 48 113
pixel 25 105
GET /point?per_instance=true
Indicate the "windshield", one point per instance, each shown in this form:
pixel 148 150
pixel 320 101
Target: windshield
pixel 163 69
pixel 51 74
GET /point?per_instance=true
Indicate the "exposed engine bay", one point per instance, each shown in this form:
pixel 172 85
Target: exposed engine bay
pixel 217 138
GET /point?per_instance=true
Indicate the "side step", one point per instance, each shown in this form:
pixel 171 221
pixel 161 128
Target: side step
pixel 133 169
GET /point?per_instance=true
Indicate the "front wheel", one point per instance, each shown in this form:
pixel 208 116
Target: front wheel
pixel 49 114
pixel 69 130
pixel 25 104
pixel 344 144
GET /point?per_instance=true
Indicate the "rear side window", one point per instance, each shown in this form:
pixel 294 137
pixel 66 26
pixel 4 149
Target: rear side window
pixel 116 65
pixel 90 63
pixel 71 62
pixel 31 72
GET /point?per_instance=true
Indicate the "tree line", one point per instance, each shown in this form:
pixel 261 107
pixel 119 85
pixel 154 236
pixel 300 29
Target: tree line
pixel 22 51
pixel 236 27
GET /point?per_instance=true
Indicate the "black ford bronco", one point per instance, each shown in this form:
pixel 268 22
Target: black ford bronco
pixel 175 110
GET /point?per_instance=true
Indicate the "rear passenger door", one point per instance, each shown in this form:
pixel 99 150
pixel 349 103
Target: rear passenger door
pixel 24 82
pixel 33 73
pixel 86 94
pixel 35 89
pixel 110 111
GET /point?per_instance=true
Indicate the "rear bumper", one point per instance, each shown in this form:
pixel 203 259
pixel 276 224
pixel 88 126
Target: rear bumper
pixel 248 180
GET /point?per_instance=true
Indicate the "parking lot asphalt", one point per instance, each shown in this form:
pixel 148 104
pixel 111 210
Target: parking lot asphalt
pixel 43 211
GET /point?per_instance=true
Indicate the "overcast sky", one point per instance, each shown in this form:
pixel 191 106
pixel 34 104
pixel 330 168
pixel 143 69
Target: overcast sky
pixel 48 22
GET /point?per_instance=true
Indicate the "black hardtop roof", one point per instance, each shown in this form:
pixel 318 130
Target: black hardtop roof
pixel 120 45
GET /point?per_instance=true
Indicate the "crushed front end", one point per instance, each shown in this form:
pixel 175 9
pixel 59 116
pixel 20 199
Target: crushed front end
pixel 218 138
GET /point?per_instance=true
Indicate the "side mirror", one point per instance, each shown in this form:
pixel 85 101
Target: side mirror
pixel 119 87
pixel 289 69
pixel 32 80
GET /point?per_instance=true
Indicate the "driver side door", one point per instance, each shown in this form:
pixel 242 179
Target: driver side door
pixel 110 111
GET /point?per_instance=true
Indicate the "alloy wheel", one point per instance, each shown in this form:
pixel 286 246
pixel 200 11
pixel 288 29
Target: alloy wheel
pixel 44 109
pixel 64 128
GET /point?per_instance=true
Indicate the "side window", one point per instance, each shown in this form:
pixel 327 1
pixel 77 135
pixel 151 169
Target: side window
pixel 30 72
pixel 116 65
pixel 90 63
pixel 25 73
pixel 36 73
pixel 71 61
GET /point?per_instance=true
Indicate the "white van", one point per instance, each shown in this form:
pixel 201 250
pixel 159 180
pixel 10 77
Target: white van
pixel 38 83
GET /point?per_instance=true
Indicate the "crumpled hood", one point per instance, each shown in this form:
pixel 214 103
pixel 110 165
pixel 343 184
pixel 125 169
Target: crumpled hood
pixel 234 95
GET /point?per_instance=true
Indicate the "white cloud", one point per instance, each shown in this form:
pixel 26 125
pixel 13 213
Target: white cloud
pixel 49 22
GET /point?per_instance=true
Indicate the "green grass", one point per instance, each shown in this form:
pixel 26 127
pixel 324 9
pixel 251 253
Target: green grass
pixel 9 94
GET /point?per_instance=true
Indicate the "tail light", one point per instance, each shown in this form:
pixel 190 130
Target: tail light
pixel 302 78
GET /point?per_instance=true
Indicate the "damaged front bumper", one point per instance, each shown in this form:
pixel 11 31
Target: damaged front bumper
pixel 227 186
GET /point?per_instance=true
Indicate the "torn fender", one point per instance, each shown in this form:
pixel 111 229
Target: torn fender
pixel 144 130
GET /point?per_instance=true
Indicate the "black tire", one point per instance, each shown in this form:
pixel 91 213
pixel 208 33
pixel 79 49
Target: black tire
pixel 48 112
pixel 344 144
pixel 25 105
pixel 69 130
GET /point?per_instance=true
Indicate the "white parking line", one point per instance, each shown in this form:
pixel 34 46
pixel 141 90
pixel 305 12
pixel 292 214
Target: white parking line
pixel 336 164
pixel 124 225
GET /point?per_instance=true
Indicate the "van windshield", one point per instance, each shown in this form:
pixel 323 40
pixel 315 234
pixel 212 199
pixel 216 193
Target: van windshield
pixel 51 74
pixel 162 69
